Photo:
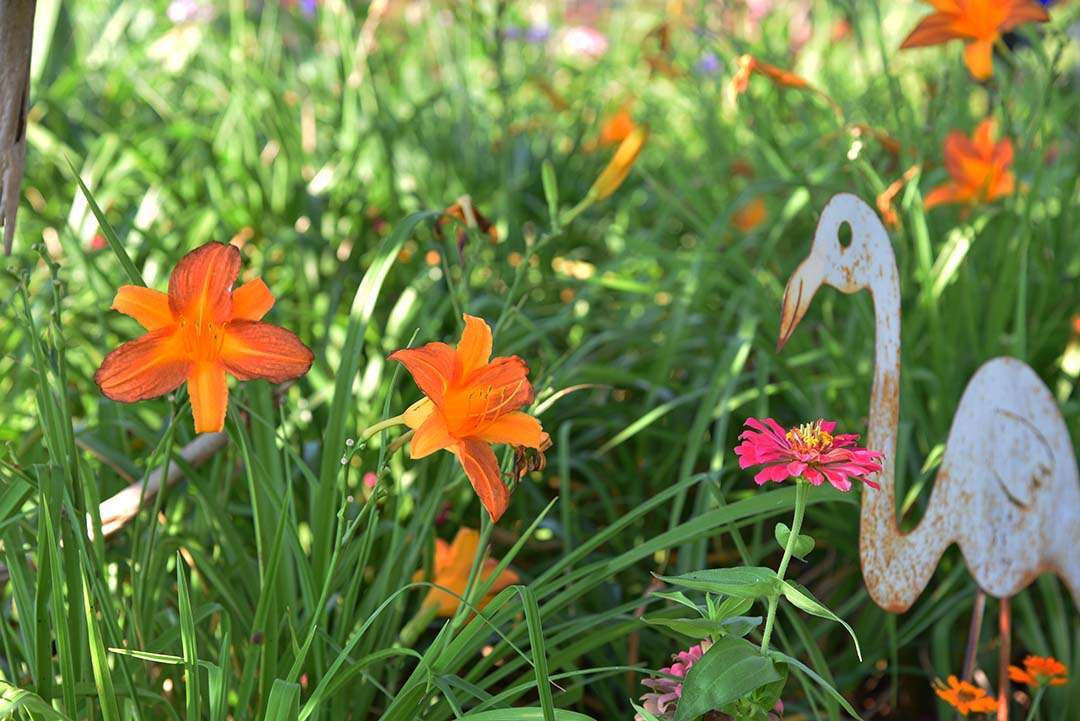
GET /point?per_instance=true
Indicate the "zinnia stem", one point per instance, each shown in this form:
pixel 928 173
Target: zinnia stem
pixel 802 488
pixel 1035 704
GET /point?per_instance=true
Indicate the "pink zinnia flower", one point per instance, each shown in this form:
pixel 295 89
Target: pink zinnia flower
pixel 660 702
pixel 810 451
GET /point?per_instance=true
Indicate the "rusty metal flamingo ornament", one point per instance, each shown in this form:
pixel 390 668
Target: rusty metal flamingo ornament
pixel 1008 489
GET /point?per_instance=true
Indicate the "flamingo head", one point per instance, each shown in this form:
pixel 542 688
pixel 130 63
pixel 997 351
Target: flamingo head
pixel 840 256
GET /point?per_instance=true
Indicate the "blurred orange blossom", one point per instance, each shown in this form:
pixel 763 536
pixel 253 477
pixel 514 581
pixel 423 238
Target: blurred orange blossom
pixel 453 562
pixel 979 23
pixel 978 168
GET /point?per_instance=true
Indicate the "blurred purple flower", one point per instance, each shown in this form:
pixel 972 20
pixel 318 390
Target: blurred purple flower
pixel 308 7
pixel 708 64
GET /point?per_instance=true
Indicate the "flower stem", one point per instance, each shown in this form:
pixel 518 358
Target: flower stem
pixel 412 630
pixel 382 426
pixel 1035 704
pixel 802 488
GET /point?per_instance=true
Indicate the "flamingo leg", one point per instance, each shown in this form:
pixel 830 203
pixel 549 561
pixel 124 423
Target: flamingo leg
pixel 977 612
pixel 1004 652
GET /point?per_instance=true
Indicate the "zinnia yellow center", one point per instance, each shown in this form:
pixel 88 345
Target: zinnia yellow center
pixel 809 437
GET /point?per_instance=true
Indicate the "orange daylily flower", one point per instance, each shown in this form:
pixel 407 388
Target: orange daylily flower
pixel 979 168
pixel 965 697
pixel 198 332
pixel 619 167
pixel 617 126
pixel 472 401
pixel 979 23
pixel 1040 671
pixel 750 215
pixel 453 561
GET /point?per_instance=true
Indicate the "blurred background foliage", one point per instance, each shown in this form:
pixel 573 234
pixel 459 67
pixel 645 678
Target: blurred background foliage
pixel 306 133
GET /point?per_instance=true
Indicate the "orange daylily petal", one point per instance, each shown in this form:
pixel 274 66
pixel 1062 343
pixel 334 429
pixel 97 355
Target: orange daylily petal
pixel 515 429
pixel 983 139
pixel 612 176
pixel 1025 12
pixel 199 285
pixel 944 193
pixel 149 307
pixel 260 350
pixel 209 395
pixel 932 30
pixel 496 389
pixel 431 436
pixel 978 56
pixel 960 156
pixel 251 301
pixel 1002 154
pixel 432 366
pixel 146 367
pixel 482 469
pixel 474 348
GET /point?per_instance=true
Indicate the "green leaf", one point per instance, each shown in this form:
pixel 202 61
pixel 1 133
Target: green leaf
pixel 818 680
pixel 804 544
pixel 539 655
pixel 524 714
pixel 16 703
pixel 677 597
pixel 115 244
pixel 284 702
pixel 803 599
pixel 732 606
pixel 743 582
pixel 730 670
pixel 551 192
pixel 693 627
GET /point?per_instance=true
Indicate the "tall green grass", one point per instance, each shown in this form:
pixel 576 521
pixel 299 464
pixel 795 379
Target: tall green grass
pixel 268 584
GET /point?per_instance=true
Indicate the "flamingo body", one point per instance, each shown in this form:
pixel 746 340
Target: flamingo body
pixel 1008 490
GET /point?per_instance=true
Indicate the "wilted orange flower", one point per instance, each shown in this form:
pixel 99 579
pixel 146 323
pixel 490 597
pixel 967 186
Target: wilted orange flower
pixel 748 65
pixel 965 697
pixel 471 402
pixel 979 23
pixel 1040 671
pixel 750 215
pixel 453 561
pixel 198 332
pixel 978 167
pixel 616 171
pixel 885 198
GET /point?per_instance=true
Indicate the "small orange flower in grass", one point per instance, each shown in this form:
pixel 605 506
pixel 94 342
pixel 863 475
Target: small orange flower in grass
pixel 978 168
pixel 472 401
pixel 750 215
pixel 965 697
pixel 979 23
pixel 617 126
pixel 198 332
pixel 1039 671
pixel 453 561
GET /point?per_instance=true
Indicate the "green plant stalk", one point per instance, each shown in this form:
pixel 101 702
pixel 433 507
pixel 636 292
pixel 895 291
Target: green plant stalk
pixel 802 488
pixel 1033 711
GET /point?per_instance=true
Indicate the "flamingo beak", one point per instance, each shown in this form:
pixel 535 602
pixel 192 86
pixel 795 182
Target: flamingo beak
pixel 800 290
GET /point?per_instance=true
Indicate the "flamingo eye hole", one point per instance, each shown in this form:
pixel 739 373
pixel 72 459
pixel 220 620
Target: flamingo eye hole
pixel 844 235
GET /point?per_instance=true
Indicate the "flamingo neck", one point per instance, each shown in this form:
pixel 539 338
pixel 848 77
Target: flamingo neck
pixel 896 567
